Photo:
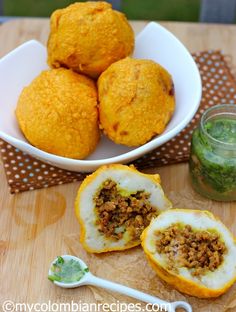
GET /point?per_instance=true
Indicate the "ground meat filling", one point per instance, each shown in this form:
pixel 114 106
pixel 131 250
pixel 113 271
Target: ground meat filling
pixel 199 251
pixel 118 213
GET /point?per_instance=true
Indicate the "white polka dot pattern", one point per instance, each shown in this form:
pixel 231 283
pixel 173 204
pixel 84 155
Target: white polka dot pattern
pixel 25 173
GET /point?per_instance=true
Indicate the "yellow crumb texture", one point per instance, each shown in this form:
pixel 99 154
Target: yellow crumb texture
pixel 136 101
pixel 88 37
pixel 58 113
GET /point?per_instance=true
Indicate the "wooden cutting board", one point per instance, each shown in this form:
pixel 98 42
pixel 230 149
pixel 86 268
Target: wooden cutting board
pixel 33 224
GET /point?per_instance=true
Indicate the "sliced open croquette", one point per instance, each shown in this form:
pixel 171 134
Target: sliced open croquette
pixel 115 204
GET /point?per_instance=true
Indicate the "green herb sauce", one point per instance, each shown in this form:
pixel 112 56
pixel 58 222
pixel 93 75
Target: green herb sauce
pixel 222 129
pixel 66 271
pixel 212 167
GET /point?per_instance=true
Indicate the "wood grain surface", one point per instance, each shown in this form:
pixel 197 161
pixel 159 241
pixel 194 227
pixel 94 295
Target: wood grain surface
pixel 33 224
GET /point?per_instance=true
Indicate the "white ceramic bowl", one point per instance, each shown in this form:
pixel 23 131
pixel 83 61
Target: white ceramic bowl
pixel 19 67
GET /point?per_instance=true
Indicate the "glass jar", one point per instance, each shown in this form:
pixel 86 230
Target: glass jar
pixel 213 154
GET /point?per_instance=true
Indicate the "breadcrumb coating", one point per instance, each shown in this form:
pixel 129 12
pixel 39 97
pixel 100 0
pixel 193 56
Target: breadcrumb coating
pixel 136 101
pixel 58 113
pixel 88 37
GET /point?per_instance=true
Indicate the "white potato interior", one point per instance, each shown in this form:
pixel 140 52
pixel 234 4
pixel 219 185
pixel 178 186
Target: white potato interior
pixel 127 180
pixel 198 221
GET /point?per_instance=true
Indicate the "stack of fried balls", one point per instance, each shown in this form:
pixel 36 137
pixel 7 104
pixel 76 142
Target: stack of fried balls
pixel 94 85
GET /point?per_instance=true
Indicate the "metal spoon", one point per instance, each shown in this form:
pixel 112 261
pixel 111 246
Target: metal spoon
pixel 90 279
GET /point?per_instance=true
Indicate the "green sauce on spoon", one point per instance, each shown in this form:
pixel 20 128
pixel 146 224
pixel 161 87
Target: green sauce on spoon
pixel 66 271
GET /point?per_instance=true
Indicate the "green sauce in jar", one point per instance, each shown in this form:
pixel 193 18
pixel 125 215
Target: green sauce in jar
pixel 222 129
pixel 213 154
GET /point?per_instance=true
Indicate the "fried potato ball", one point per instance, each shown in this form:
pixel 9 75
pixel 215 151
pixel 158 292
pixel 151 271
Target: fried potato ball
pixel 136 101
pixel 58 113
pixel 115 204
pixel 88 37
pixel 192 250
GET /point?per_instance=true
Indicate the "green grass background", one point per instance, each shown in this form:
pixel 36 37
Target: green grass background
pixel 177 10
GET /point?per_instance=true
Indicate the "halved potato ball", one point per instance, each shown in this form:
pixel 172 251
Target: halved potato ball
pixel 115 204
pixel 136 101
pixel 192 251
pixel 88 37
pixel 58 113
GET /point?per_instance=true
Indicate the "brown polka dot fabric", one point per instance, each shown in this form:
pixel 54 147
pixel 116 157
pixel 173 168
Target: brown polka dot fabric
pixel 25 173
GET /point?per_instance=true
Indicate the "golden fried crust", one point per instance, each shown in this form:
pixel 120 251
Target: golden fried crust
pixel 58 113
pixel 88 37
pixel 136 101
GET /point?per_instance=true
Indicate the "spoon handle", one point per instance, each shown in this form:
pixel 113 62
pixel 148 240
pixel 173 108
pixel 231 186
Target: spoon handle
pixel 165 305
